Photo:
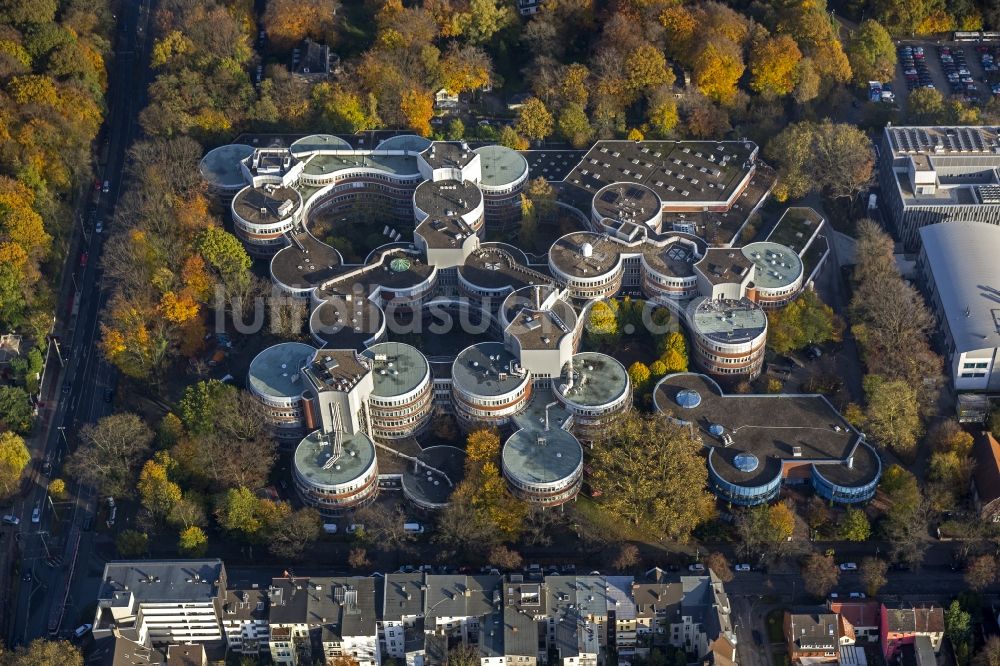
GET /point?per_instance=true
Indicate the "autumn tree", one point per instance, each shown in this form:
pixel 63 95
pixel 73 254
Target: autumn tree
pixel 57 490
pixel 504 558
pixel 981 572
pixel 192 542
pixel 763 529
pixel 871 53
pixel 892 418
pixel 110 453
pixel 720 566
pixel 43 652
pixel 854 526
pixel 534 120
pixel 602 323
pixel 672 502
pixel 156 491
pixel 292 533
pixel 820 573
pixel 417 107
pixel 774 66
pixel 873 574
pixel 639 375
pixel 833 157
pixel 465 69
pixel 806 320
pixel 717 70
pixel 989 654
pixel 574 126
pixel 288 22
pixel 14 458
pixel 132 544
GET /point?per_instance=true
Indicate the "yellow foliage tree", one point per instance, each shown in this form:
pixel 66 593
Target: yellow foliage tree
pixel 14 457
pixel 418 108
pixel 465 69
pixel 178 308
pixel 717 69
pixel 774 65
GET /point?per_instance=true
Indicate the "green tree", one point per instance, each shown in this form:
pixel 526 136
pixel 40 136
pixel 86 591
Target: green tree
pixel 806 320
pixel 511 139
pixel 15 409
pixel 674 352
pixel 484 19
pixel 132 543
pixel 534 120
pixel 673 501
pixel 28 369
pixel 574 125
pixel 871 53
pixel 239 511
pixel 224 252
pixel 925 106
pixel 201 404
pixel 193 542
pixel 14 457
pixel 892 416
pixel 456 129
pixel 958 630
pixel 855 526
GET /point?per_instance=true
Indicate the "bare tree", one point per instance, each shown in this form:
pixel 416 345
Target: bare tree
pixel 291 536
pixel 718 563
pixel 111 452
pixel 873 572
pixel 384 528
pixel 820 573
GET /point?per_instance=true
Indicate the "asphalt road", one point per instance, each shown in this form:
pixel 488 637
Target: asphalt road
pixel 77 396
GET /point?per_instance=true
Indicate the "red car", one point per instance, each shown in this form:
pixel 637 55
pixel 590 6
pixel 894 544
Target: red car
pixel 83 259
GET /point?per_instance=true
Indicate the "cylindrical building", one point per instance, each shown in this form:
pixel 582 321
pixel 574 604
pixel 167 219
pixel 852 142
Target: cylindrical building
pixel 488 385
pixel 628 203
pixel 544 467
pixel 222 170
pixel 589 264
pixel 335 479
pixel 595 389
pixel 275 381
pixel 777 276
pixel 504 173
pixel 727 337
pixel 668 268
pixel 403 400
pixel 262 215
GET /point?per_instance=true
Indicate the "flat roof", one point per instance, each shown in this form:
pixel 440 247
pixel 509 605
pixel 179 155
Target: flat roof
pixel 627 202
pixel 496 266
pixel 537 317
pixel 316 143
pixel 399 368
pixel 267 204
pixel 678 171
pixel 275 371
pixel 222 166
pixel 401 165
pixel 775 265
pixel 445 198
pixel 568 254
pixel 795 227
pixel 394 269
pixel 552 165
pixel 722 265
pixel 442 470
pixel 335 369
pixel 599 379
pixel 448 154
pixel 963 258
pixel 677 256
pixel 306 262
pixel 500 165
pixel 407 142
pixel 163 580
pixel 342 323
pixel 543 401
pixel 769 428
pixel 727 321
pixel 314 451
pixel 478 370
pixel 542 456
pixel 445 231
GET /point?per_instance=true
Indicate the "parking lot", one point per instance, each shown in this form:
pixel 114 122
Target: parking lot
pixel 953 68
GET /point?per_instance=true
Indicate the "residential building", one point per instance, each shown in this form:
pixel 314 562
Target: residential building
pixel 902 626
pixel 986 477
pixel 814 637
pixel 244 613
pixel 859 619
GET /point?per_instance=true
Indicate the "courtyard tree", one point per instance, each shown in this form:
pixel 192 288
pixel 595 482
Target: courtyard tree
pixel 806 320
pixel 671 502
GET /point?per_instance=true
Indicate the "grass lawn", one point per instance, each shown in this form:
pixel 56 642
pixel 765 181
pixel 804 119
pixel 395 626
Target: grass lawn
pixel 775 630
pixel 607 524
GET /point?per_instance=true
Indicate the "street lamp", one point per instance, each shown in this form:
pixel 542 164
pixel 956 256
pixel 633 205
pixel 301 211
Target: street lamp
pixel 62 431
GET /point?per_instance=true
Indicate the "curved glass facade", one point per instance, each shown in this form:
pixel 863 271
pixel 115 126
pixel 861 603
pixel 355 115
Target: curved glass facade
pixel 742 495
pixel 847 494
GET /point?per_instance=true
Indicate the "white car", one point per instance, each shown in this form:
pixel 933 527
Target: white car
pixel 742 567
pixel 857 595
pixel 36 515
pixel 697 566
pixel 848 566
pixel 99 227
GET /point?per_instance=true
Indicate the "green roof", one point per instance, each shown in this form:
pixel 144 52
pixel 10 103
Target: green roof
pixel 600 379
pixel 542 456
pixel 313 452
pixel 500 165
pixel 275 371
pixel 398 368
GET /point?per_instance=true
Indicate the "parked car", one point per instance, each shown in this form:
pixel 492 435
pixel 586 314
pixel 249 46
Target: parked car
pixel 82 629
pixel 36 514
pixel 742 567
pixel 697 566
pixel 99 227
pixel 11 519
pixel 849 566
pixel 857 595
pixel 413 528
pixel 106 187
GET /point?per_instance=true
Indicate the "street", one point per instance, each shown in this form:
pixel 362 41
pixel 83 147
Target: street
pixel 48 598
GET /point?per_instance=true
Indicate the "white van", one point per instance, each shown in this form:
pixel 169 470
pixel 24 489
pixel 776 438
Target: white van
pixel 330 528
pixel 413 528
pixel 82 629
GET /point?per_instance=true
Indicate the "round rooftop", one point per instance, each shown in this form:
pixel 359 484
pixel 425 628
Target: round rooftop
pixel 346 325
pixel 598 380
pixel 627 202
pixel 584 254
pixel 399 368
pixel 728 322
pixel 408 142
pixel 314 451
pixel 221 166
pixel 776 265
pixel 501 165
pixel 433 482
pixel 274 372
pixel 487 369
pixel 533 298
pixel 316 143
pixel 541 456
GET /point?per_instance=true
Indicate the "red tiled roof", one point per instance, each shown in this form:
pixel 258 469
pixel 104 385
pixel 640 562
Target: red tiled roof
pixel 987 474
pixel 858 613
